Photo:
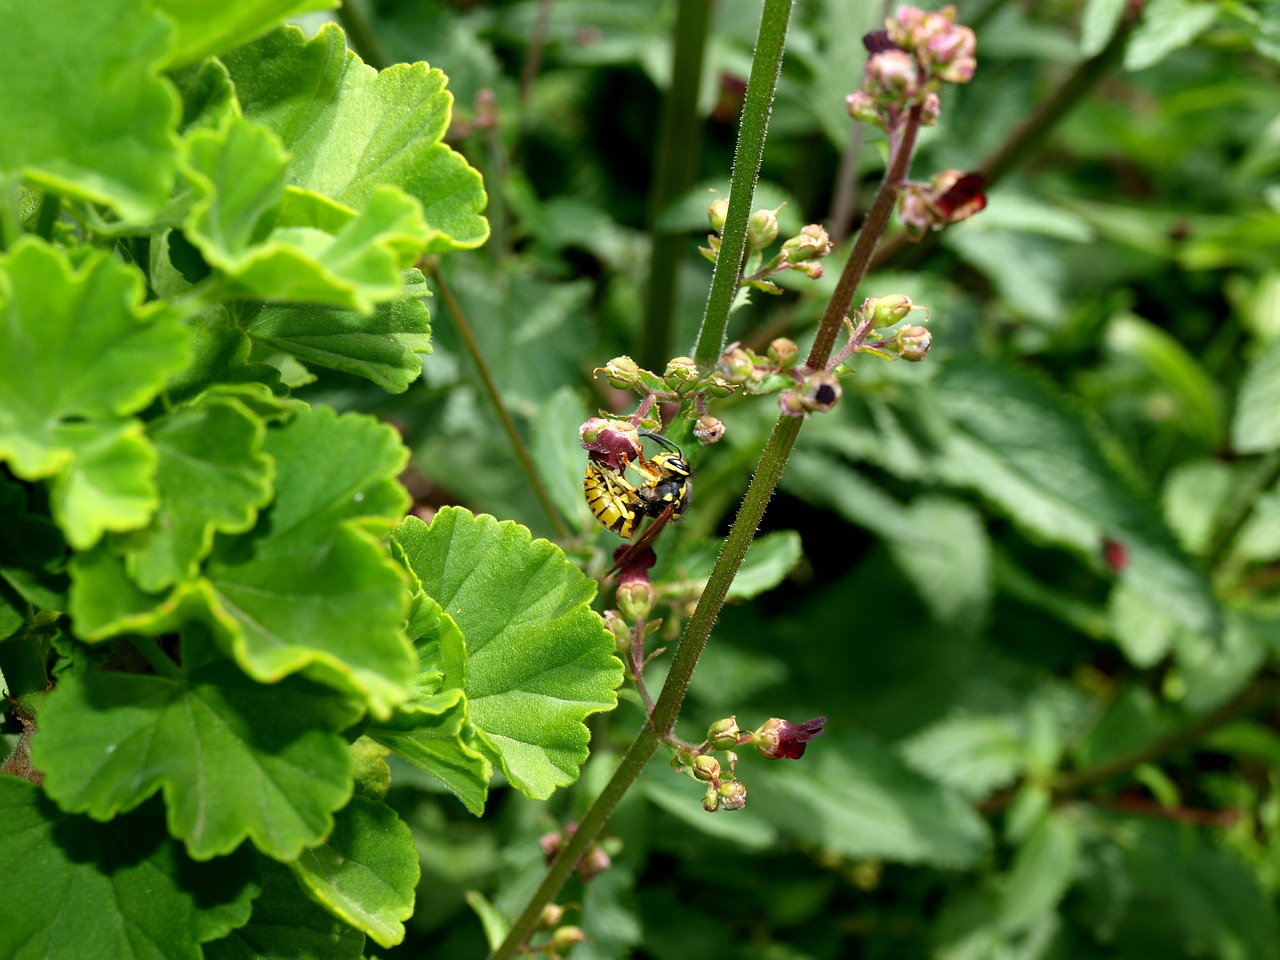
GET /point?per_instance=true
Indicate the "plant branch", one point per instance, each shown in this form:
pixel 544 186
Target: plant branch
pixel 504 415
pixel 766 64
pixel 674 173
pixel 533 54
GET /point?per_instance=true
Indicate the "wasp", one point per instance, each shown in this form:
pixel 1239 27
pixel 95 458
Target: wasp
pixel 665 490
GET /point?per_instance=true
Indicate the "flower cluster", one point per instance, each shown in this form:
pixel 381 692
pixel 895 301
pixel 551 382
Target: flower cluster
pixel 800 253
pixel 951 196
pixel 681 382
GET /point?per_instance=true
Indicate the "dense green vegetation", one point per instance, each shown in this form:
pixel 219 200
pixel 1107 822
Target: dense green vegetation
pixel 306 638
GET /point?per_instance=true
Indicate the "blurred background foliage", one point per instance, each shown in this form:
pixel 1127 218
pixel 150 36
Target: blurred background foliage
pixel 1037 595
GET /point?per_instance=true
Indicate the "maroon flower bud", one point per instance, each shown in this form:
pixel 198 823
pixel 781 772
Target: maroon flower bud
pixel 779 739
pixel 611 443
pixel 877 41
pixel 957 195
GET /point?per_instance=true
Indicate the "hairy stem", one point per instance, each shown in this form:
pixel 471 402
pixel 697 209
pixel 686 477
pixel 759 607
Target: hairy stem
pixel 674 172
pixel 765 67
pixel 504 415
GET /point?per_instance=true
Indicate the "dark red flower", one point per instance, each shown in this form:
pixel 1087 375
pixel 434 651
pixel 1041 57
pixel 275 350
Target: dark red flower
pixel 610 443
pixel 781 739
pixel 963 198
pixel 878 41
pixel 1115 554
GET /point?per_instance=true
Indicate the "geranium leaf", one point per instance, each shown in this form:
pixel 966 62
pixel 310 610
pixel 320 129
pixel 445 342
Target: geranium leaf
pixel 205 28
pixel 384 346
pixel 295 246
pixel 287 925
pixel 234 758
pixel 212 476
pixel 79 352
pixel 539 660
pixel 311 587
pixel 93 120
pixel 366 871
pixel 351 129
pixel 1255 427
pixel 117 891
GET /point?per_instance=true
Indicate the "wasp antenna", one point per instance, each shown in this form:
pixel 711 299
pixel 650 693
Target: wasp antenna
pixel 664 441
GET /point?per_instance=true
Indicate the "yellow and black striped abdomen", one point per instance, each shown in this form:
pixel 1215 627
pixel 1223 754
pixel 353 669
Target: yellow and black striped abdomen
pixel 613 501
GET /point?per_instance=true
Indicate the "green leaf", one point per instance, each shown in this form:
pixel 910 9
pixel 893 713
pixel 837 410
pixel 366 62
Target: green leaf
pixel 91 120
pixel 234 758
pixel 385 346
pixel 1215 670
pixel 1020 446
pixel 351 129
pixel 1166 26
pixel 492 919
pixel 287 925
pixel 366 871
pixel 274 244
pixel 539 659
pixel 79 352
pixel 559 456
pixel 1101 17
pixel 431 730
pixel 204 29
pixel 312 587
pixel 974 755
pixel 1255 427
pixel 1140 628
pixel 212 475
pixel 853 797
pixel 1042 870
pixel 117 891
pixel 768 561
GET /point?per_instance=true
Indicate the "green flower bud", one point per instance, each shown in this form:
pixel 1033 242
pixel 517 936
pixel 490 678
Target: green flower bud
pixel 680 370
pixel 552 915
pixel 737 365
pixel 711 801
pixel 783 352
pixel 621 631
pixel 886 311
pixel 706 768
pixel 762 229
pixel 565 937
pixel 717 213
pixel 733 795
pixel 914 343
pixel 724 734
pixel 811 243
pixel 636 598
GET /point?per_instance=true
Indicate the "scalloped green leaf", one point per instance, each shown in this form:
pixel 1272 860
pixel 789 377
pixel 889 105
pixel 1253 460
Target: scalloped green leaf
pixel 1255 426
pixel 366 871
pixel 212 476
pixel 352 129
pixel 311 587
pixel 117 891
pixel 385 346
pixel 293 245
pixel 539 659
pixel 1035 459
pixel 235 759
pixel 93 121
pixel 287 925
pixel 204 28
pixel 79 352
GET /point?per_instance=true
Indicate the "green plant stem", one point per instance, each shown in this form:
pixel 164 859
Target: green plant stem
pixel 50 206
pixel 1028 136
pixel 766 64
pixel 674 172
pixel 1265 476
pixel 360 34
pixel 504 415
pixel 533 53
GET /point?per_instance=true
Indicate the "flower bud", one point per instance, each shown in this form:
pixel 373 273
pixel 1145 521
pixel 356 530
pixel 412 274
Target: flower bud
pixel 621 631
pixel 724 734
pixel 893 72
pixel 733 795
pixel 680 370
pixel 708 430
pixel 820 392
pixel 914 342
pixel 930 107
pixel 565 937
pixel 790 404
pixel 762 229
pixel 551 916
pixel 811 243
pixel 783 352
pixel 636 598
pixel 737 365
pixel 706 768
pixel 594 862
pixel 778 739
pixel 711 801
pixel 862 106
pixel 810 268
pixel 886 311
pixel 717 213
pixel 623 372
